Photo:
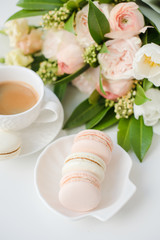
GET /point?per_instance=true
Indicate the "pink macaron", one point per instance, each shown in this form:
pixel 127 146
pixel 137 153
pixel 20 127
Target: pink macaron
pixel 79 191
pixel 94 141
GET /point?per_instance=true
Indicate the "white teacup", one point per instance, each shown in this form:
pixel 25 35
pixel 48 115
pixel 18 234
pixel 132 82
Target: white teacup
pixel 22 120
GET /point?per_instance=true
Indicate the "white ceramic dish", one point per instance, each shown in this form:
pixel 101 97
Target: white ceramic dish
pixel 117 189
pixel 38 135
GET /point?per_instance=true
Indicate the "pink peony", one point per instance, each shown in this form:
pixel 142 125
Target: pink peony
pixel 82 31
pixel 63 47
pixel 125 21
pixel 87 81
pixel 117 63
pixel 115 89
pixel 31 43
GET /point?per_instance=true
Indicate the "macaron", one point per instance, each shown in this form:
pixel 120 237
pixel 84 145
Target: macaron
pixel 79 191
pixel 10 145
pixel 93 141
pixel 83 161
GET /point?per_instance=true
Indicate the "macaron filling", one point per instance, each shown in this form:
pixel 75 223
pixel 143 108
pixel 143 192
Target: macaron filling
pixel 86 157
pixel 79 176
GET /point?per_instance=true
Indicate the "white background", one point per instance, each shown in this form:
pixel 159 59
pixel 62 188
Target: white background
pixel 23 216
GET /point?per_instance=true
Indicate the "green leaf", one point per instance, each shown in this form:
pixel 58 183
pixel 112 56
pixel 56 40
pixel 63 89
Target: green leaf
pixel 36 63
pixel 140 96
pixel 26 13
pixel 60 90
pixel 3 32
pixel 123 136
pixel 2 60
pixel 108 120
pixel 149 13
pixel 106 1
pixel 75 4
pixel 70 77
pixel 104 49
pixel 83 113
pixel 97 23
pixel 144 37
pixel 39 4
pixel 155 4
pixel 153 36
pixel 147 84
pixel 140 137
pixel 101 85
pixel 94 121
pixel 69 25
pixel 94 97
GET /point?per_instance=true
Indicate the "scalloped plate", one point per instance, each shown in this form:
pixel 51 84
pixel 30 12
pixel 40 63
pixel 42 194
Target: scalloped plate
pixel 117 189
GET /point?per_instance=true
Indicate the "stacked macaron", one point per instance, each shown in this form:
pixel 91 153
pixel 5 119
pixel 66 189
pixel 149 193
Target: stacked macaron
pixel 10 145
pixel 84 170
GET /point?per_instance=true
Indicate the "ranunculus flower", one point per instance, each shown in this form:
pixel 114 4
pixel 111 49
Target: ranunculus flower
pixel 115 89
pixel 81 28
pixel 63 46
pixel 125 21
pixel 16 29
pixel 117 63
pixel 87 81
pixel 16 57
pixel 150 110
pixel 146 63
pixel 31 43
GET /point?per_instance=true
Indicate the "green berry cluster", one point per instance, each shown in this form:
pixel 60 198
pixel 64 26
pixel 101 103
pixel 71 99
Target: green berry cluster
pixel 90 54
pixel 48 71
pixel 109 103
pixel 56 18
pixel 124 105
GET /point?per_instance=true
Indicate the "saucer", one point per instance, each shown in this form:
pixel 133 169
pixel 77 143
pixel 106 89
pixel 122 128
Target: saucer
pixel 38 135
pixel 117 188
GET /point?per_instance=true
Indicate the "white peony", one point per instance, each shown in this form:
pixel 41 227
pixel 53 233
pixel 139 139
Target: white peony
pixel 16 57
pixel 87 81
pixel 81 28
pixel 16 29
pixel 150 110
pixel 146 63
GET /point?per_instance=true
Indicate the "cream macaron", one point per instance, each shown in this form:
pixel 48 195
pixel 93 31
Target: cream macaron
pixel 10 145
pixel 83 161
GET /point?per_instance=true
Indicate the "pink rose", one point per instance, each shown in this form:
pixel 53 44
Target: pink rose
pixel 63 47
pixel 31 43
pixel 117 63
pixel 125 21
pixel 87 81
pixel 115 89
pixel 82 31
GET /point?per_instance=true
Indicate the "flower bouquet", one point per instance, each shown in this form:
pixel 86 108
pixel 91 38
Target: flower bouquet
pixel 109 49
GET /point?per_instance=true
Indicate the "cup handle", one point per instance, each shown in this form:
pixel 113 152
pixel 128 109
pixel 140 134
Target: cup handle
pixel 49 113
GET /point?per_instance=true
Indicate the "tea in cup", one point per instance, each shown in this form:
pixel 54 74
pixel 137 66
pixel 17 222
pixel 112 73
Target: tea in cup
pixel 21 98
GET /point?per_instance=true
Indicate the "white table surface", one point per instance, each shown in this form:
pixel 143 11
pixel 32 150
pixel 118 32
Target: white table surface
pixel 23 216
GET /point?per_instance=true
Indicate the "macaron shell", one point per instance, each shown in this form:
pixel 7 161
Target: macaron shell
pixel 10 155
pixel 95 135
pixel 94 147
pixel 10 145
pixel 9 142
pixel 79 196
pixel 84 161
